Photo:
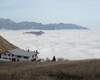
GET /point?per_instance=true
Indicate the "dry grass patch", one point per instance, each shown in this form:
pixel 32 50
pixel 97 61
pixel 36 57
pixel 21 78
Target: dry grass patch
pixel 65 70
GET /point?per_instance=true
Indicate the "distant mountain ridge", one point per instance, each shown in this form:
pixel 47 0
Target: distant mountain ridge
pixel 11 25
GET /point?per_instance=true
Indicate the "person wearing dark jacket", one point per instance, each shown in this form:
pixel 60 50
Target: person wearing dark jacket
pixel 54 58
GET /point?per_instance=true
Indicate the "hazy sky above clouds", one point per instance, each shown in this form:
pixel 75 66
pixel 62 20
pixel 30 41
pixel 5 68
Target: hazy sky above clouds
pixel 82 12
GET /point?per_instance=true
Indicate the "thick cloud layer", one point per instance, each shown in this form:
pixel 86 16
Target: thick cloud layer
pixel 69 44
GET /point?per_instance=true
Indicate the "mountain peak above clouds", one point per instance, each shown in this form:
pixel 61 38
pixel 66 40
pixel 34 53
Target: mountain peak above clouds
pixel 11 25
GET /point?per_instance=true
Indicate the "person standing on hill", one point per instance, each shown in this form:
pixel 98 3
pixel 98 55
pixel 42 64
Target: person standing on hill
pixel 54 58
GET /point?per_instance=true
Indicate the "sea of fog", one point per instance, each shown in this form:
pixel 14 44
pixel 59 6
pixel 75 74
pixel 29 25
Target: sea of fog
pixel 67 44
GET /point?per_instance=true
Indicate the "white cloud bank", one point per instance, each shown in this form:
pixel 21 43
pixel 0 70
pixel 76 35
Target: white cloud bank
pixel 69 44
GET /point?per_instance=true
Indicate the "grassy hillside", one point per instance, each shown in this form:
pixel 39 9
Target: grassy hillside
pixel 66 70
pixel 5 45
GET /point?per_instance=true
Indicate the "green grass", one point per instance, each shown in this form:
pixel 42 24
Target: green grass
pixel 65 70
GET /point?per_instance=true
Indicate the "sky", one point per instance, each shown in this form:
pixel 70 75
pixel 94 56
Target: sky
pixel 81 12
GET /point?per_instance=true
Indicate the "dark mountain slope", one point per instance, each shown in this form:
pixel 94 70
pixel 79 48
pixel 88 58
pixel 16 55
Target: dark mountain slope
pixel 11 25
pixel 5 45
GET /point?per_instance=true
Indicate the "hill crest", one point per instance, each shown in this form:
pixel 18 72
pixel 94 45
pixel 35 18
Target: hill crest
pixel 5 45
